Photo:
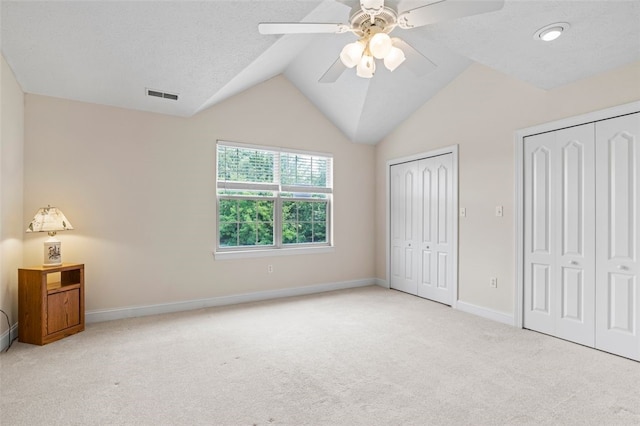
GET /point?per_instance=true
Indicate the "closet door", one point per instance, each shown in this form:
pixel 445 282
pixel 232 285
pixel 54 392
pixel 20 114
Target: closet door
pixel 404 227
pixel 539 222
pixel 575 237
pixel 618 236
pixel 559 234
pixel 435 264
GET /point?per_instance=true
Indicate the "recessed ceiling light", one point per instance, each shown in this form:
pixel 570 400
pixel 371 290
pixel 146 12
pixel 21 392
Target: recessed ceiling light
pixel 551 31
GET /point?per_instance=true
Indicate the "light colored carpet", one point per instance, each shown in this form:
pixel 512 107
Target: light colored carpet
pixel 365 356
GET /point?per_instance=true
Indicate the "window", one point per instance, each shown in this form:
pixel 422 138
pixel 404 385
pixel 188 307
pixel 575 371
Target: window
pixel 272 199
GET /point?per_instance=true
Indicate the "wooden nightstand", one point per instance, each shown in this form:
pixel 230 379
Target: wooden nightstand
pixel 50 303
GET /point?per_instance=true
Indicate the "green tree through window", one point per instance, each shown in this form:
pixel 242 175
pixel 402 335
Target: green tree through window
pixel 304 222
pixel 246 222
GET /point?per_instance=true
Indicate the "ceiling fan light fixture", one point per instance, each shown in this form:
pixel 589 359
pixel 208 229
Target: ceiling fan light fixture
pixel 394 58
pixel 351 54
pixel 366 67
pixel 551 32
pixel 380 45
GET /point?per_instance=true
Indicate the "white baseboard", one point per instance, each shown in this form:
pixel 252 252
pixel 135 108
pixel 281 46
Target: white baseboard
pixel 485 312
pixel 382 283
pixel 140 311
pixel 8 336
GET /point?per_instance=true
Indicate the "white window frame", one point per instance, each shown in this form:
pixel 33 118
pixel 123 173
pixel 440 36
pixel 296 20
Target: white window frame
pixel 278 248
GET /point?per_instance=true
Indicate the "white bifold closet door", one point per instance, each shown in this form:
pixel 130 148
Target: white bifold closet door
pixel 581 234
pixel 422 228
pixel 559 277
pixel 617 235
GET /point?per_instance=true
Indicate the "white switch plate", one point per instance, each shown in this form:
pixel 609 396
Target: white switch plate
pixel 494 282
pixel 499 211
pixel 463 212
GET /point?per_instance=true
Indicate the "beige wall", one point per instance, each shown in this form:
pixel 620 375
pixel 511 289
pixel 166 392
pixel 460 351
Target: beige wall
pixel 139 188
pixel 11 168
pixel 480 111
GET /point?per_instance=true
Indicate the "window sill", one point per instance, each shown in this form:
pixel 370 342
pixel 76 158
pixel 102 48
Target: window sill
pixel 247 254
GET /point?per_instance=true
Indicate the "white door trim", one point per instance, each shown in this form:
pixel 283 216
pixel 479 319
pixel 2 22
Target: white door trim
pixel 519 183
pixel 452 149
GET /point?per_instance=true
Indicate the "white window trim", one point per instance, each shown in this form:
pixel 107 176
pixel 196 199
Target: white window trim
pixel 271 252
pixel 279 249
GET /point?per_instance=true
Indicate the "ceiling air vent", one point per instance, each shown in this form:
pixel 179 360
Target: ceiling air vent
pixel 159 94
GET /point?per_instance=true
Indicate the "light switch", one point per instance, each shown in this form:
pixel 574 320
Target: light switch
pixel 499 211
pixel 463 212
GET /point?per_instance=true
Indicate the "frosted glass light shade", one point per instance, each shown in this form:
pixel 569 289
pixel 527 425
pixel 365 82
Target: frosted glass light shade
pixel 366 67
pixel 49 219
pixel 380 45
pixel 351 54
pixel 394 59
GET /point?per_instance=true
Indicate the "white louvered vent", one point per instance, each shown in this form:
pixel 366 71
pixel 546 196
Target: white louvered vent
pixel 159 94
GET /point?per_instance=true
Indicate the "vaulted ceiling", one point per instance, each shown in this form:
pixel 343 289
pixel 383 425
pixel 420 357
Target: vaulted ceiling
pixel 110 52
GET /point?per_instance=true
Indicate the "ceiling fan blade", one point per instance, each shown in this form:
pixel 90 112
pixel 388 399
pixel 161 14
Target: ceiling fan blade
pixel 301 28
pixel 333 73
pixel 445 10
pixel 416 62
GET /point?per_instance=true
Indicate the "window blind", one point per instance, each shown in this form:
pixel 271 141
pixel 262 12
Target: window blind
pixel 249 167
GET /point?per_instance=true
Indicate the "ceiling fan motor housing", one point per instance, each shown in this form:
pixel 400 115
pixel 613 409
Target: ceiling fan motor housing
pixel 365 25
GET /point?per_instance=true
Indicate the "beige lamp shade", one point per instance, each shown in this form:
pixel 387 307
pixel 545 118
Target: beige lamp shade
pixel 49 219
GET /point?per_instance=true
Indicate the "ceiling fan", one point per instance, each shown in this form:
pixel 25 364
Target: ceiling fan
pixel 371 23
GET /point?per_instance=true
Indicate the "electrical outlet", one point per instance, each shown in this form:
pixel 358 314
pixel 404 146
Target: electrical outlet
pixel 270 269
pixel 493 282
pixel 463 212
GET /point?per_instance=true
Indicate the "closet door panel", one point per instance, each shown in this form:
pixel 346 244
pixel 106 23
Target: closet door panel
pixel 427 270
pixel 540 292
pixel 404 241
pixel 622 177
pixel 437 228
pixel 575 189
pixel 539 165
pixel 572 290
pixel 443 267
pixel 426 245
pixel 559 241
pixel 621 291
pixel 618 301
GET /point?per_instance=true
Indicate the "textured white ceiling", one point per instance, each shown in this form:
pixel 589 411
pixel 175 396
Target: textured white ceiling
pixel 603 35
pixel 108 52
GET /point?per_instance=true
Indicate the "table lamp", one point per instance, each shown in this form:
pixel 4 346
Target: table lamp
pixel 50 219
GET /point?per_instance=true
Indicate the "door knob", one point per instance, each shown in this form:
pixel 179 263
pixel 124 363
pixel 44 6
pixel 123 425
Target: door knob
pixel 622 267
pixel 573 262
